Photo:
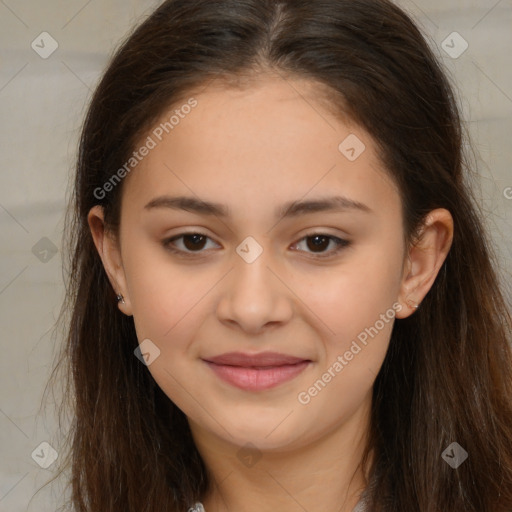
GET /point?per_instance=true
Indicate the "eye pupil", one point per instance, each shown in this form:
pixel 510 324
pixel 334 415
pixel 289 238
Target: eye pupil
pixel 319 244
pixel 196 238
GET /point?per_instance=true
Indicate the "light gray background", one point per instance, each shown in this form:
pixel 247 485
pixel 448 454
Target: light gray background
pixel 42 103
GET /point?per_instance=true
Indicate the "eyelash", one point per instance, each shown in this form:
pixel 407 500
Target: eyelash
pixel 341 244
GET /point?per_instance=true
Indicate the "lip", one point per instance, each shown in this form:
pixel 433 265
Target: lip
pixel 256 372
pixel 259 359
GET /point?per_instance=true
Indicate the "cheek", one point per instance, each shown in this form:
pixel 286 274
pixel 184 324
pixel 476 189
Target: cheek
pixel 163 294
pixel 357 307
pixel 352 296
pixel 168 308
pixel 167 303
pixel 345 298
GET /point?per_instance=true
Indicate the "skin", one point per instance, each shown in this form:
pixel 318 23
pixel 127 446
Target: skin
pixel 254 149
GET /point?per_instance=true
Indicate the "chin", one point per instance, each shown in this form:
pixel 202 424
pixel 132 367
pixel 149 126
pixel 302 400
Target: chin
pixel 267 434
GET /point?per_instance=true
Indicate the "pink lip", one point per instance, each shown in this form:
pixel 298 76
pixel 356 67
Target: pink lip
pixel 256 372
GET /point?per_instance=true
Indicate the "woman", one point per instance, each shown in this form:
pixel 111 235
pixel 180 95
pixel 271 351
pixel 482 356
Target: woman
pixel 282 294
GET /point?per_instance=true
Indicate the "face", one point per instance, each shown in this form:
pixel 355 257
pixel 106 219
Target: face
pixel 319 285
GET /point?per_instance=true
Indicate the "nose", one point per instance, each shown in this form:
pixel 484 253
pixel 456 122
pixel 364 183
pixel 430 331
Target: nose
pixel 255 296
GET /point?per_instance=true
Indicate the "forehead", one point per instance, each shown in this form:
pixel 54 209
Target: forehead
pixel 272 138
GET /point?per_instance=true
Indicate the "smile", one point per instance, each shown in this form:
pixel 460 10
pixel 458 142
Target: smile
pixel 257 378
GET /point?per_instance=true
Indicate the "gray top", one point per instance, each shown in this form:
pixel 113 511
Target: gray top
pixel 360 507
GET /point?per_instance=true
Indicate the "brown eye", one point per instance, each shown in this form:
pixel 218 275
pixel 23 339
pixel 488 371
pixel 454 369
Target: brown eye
pixel 317 243
pixel 193 242
pixel 190 243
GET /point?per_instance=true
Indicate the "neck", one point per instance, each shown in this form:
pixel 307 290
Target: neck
pixel 322 474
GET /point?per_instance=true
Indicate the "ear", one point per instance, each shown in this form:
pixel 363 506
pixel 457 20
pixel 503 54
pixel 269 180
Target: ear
pixel 108 248
pixel 424 260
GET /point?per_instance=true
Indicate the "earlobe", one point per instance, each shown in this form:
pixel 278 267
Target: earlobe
pixel 424 260
pixel 109 251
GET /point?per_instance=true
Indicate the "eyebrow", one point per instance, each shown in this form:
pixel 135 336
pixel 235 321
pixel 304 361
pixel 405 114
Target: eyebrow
pixel 290 209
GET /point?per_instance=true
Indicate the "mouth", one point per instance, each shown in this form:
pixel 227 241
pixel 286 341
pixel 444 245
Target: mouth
pixel 256 372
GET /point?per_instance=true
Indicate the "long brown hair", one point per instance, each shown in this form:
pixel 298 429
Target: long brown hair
pixel 447 376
